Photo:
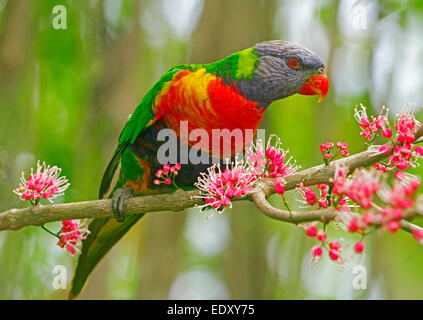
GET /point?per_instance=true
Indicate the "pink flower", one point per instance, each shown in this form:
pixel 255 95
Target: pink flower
pixel 387 133
pixel 279 187
pixel 166 168
pixel 404 156
pixel 345 153
pixel 326 146
pixel 334 255
pixel 339 180
pixel 400 195
pixel 371 128
pixel 272 162
pixel 258 159
pixel 361 117
pixel 44 183
pixel 393 226
pixel 385 149
pixel 323 202
pixel 353 226
pixel 323 148
pixel 363 185
pixel 418 235
pixel 308 194
pixel 342 205
pixel 342 145
pixel 167 174
pixel 271 152
pixel 321 236
pixel 364 122
pixel 159 173
pixel 359 247
pixel 380 121
pixel 316 254
pixel 173 170
pixel 381 167
pixel 317 251
pixel 366 134
pixel 334 245
pixel 72 234
pixel 311 231
pixel 419 150
pixel 217 187
pixel 405 128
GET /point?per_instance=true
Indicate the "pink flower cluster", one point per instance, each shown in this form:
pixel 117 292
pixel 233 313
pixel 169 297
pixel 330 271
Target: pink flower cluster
pixel 272 162
pixel 404 153
pixel 361 188
pixel 333 248
pixel 330 154
pixel 310 196
pixel 371 128
pixel 405 156
pixel 335 197
pixel 71 235
pixel 44 183
pixel 397 198
pixel 167 174
pixel 404 126
pixel 217 187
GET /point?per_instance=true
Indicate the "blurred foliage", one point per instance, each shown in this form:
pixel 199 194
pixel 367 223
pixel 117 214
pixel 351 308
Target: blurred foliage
pixel 66 95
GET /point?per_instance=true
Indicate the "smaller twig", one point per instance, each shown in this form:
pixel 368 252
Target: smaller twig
pixel 323 215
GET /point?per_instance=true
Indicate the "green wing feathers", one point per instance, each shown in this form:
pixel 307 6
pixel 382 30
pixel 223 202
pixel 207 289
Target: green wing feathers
pixel 106 182
pixel 139 121
pixel 105 233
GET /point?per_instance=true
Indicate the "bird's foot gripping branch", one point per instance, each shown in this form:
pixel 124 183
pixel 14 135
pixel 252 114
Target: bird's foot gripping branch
pixel 363 192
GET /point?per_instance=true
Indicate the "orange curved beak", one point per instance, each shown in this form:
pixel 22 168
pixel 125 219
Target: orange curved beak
pixel 316 85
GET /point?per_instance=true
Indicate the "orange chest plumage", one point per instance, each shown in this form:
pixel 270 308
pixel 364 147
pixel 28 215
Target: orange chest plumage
pixel 205 102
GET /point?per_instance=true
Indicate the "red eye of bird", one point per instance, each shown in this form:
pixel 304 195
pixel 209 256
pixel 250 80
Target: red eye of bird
pixel 294 63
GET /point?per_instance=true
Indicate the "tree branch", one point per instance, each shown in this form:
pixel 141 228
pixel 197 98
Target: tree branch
pixel 15 219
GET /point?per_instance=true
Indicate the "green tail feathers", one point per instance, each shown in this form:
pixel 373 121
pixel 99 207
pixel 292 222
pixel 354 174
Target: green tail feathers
pixel 104 235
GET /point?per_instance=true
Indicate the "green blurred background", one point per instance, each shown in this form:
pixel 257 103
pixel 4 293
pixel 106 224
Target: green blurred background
pixel 65 95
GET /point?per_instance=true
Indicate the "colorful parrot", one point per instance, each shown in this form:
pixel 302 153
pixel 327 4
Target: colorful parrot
pixel 231 93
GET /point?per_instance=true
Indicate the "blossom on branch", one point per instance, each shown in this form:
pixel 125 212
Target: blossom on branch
pixel 218 187
pixel 167 174
pixel 271 162
pixel 330 152
pixel 361 187
pixel 71 235
pixel 405 153
pixel 44 183
pixel 370 128
pixel 333 248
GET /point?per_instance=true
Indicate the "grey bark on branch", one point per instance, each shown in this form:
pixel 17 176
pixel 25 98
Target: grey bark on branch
pixel 179 200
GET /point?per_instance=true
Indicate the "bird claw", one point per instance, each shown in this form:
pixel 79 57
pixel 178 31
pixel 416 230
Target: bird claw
pixel 119 202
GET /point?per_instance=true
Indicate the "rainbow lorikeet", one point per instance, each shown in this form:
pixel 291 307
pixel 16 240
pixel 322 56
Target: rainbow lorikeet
pixel 228 94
